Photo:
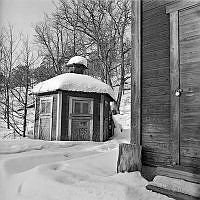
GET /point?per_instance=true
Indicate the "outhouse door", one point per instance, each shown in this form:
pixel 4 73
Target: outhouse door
pixel 45 118
pixel 185 87
pixel 80 119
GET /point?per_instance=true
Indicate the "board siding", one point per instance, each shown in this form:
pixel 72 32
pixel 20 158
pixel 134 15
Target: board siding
pixel 54 117
pixel 159 107
pixel 190 83
pixel 106 117
pixel 149 5
pixel 155 81
pixel 96 120
pixel 136 71
pixel 64 118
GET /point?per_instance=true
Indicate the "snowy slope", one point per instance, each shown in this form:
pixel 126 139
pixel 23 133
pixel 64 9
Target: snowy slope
pixel 123 120
pixel 67 170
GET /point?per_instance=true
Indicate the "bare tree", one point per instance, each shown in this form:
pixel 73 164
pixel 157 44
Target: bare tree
pixel 120 13
pixel 16 62
pixel 98 29
pixel 55 42
pixel 91 20
pixel 28 60
pixel 106 24
pixel 9 59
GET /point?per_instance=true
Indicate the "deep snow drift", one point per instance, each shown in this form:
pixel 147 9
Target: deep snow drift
pixel 45 170
pixel 41 170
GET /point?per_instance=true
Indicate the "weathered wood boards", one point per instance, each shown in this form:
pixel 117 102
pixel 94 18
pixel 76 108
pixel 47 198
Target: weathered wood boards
pixel 174 85
pixel 178 174
pixel 170 125
pixel 136 73
pixel 171 194
pixel 189 37
pixel 155 83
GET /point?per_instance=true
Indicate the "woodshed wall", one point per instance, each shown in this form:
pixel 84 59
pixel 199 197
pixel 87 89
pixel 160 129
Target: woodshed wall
pixel 106 118
pixel 155 83
pixel 65 118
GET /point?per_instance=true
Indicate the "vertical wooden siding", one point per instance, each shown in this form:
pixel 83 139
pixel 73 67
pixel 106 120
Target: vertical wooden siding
pixel 155 80
pixel 106 118
pixel 189 41
pixel 65 118
pixel 54 117
pixel 96 120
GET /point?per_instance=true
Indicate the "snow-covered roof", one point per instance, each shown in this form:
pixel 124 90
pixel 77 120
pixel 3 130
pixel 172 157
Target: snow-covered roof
pixel 74 82
pixel 78 60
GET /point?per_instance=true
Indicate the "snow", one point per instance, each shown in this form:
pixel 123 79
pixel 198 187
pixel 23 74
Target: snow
pixel 123 120
pixel 74 82
pixel 77 60
pixel 47 170
pixel 72 170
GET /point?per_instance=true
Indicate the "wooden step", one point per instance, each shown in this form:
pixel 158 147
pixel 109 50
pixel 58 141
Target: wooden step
pixel 178 174
pixel 171 194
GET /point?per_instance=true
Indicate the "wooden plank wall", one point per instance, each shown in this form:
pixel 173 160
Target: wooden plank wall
pixel 96 120
pixel 65 118
pixel 54 117
pixel 106 118
pixel 189 32
pixel 155 81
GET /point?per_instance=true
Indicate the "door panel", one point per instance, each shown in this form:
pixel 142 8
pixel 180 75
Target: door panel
pixel 80 129
pixel 45 127
pixel 81 119
pixel 189 47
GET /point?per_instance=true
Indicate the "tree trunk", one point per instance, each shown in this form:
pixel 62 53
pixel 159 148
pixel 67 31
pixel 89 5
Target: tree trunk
pixel 7 107
pixel 129 159
pixel 25 113
pixel 119 97
pixel 25 104
pixel 122 79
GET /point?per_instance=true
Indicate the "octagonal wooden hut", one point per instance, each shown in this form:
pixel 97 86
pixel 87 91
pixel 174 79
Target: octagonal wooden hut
pixel 73 106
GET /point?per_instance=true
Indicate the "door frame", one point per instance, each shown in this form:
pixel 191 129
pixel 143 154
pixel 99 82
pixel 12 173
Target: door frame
pixel 173 11
pixel 90 100
pixel 47 98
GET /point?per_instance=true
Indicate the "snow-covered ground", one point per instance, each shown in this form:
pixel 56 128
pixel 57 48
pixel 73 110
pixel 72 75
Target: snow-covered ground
pixel 45 170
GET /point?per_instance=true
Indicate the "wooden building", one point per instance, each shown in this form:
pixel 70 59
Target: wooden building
pixel 73 106
pixel 166 93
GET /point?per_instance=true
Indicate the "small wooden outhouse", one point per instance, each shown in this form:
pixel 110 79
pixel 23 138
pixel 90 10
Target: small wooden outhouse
pixel 73 106
pixel 166 85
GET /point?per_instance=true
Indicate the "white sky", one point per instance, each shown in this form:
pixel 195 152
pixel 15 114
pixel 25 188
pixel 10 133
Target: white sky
pixel 22 14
